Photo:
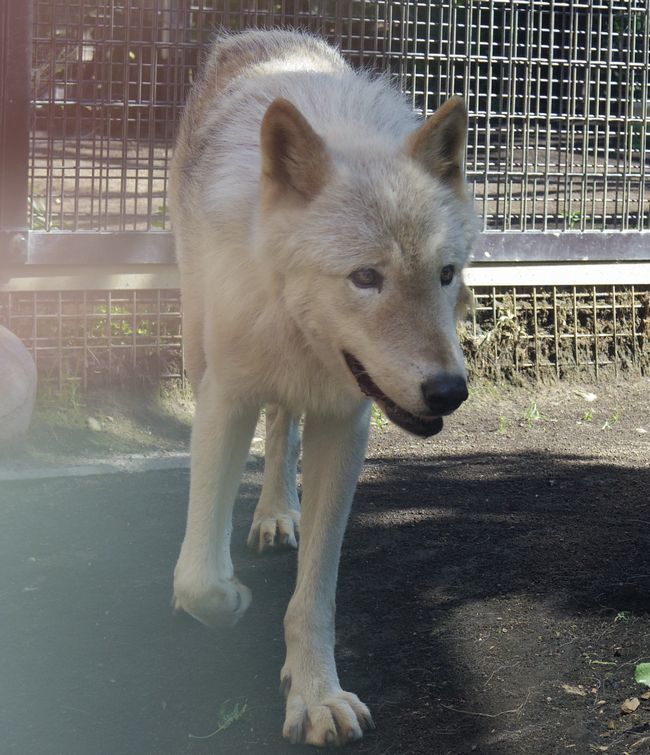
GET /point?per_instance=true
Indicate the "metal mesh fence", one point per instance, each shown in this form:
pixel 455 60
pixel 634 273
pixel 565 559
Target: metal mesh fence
pixel 558 95
pixel 92 337
pixel 95 337
pixel 559 332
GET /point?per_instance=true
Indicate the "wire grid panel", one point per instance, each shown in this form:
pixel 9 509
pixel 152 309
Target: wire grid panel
pixel 100 337
pixel 557 332
pixel 110 78
pixel 558 95
pixel 557 90
pixel 93 337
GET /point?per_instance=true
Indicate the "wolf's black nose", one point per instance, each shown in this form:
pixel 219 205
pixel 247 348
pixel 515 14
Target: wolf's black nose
pixel 444 393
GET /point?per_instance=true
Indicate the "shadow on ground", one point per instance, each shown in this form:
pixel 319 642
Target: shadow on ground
pixel 146 419
pixel 472 587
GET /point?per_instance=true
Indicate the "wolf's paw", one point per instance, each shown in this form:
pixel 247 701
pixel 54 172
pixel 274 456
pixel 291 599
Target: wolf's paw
pixel 336 719
pixel 217 603
pixel 275 530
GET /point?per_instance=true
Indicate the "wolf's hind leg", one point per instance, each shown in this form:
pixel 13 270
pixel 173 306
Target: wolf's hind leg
pixel 277 516
pixel 205 585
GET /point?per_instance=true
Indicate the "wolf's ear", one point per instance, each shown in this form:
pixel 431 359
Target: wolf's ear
pixel 294 157
pixel 439 144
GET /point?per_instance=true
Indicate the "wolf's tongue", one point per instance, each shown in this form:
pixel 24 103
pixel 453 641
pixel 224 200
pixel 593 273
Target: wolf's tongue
pixel 425 427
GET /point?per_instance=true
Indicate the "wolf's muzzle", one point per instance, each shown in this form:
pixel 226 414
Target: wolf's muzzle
pixel 444 393
pixel 424 426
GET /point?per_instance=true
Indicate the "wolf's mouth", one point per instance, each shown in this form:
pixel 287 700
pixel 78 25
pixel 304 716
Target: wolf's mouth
pixel 413 423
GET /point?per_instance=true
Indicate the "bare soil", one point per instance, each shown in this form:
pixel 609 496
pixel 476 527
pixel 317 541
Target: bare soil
pixel 514 553
pixel 494 596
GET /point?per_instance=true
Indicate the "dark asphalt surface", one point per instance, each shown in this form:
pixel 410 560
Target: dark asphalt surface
pixel 92 658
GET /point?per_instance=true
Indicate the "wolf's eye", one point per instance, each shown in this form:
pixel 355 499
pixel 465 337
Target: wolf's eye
pixel 366 277
pixel 447 275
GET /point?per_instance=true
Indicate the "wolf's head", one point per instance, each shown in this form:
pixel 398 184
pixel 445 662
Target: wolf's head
pixel 367 240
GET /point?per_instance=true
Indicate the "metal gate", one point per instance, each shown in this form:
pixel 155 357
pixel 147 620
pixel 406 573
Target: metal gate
pixel 558 160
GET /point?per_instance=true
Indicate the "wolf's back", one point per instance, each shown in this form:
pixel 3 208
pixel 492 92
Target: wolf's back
pixel 251 53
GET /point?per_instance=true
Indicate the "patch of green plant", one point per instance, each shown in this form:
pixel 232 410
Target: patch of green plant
pixel 121 323
pixel 642 674
pixel 68 397
pixel 532 414
pixel 588 416
pixel 377 419
pixel 503 424
pixel 572 219
pixel 159 219
pixel 611 420
pixel 228 715
pixel 38 212
pixel 623 616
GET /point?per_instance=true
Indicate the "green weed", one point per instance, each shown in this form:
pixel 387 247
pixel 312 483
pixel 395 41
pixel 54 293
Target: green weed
pixel 38 210
pixel 122 323
pixel 532 414
pixel 642 674
pixel 377 419
pixel 67 397
pixel 159 220
pixel 228 715
pixel 611 420
pixel 572 219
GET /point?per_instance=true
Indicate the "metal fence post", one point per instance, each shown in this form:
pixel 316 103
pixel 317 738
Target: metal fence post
pixel 15 98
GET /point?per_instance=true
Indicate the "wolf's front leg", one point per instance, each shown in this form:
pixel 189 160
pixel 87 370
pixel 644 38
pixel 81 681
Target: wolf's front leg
pixel 204 580
pixel 318 711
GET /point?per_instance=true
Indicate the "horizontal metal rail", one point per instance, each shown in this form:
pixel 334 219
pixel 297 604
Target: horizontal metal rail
pixel 567 246
pixel 90 248
pixel 147 277
pixel 157 247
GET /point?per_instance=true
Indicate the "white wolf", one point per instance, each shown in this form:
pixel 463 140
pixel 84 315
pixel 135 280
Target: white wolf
pixel 321 232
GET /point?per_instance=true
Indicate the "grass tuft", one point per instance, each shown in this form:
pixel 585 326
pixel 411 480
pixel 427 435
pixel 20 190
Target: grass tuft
pixel 228 715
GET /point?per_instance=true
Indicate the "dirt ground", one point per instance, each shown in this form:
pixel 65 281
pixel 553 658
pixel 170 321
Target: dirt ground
pixel 494 595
